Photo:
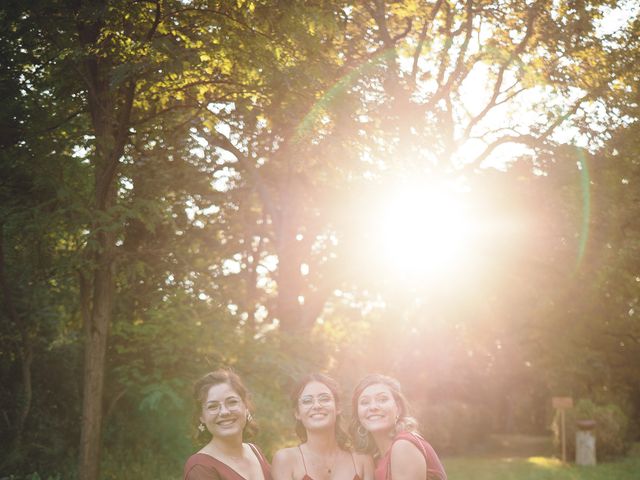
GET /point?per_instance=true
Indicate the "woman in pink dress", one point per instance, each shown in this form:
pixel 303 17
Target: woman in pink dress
pixel 224 413
pixel 383 427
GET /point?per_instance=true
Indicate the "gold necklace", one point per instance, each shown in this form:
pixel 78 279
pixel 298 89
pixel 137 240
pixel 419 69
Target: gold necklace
pixel 319 461
pixel 330 466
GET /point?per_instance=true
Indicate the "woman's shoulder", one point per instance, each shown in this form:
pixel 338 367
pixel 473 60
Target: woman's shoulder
pixel 200 458
pixel 406 443
pixel 249 447
pixel 288 451
pixel 286 454
pixel 406 458
pixel 285 462
pixel 413 438
pixel 200 465
pixel 411 448
pixel 407 446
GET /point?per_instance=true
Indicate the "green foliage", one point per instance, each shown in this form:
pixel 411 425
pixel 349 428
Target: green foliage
pixel 35 476
pixel 612 429
pixel 253 132
pixel 455 427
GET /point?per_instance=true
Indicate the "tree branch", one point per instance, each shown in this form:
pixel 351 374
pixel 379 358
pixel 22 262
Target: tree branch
pixel 628 335
pixel 444 54
pixel 156 21
pixel 531 18
pixel 422 39
pixel 219 140
pixel 221 14
pixel 521 139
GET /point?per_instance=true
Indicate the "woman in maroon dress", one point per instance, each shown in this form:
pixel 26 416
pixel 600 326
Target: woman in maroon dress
pixel 323 453
pixel 382 426
pixel 223 407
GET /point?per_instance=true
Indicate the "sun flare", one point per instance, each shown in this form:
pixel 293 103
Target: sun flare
pixel 424 230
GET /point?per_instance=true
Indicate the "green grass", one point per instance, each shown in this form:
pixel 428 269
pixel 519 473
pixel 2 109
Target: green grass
pixel 537 468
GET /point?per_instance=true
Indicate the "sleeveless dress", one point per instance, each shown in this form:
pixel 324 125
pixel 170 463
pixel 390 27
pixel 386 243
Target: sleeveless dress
pixel 201 466
pixel 307 477
pixel 435 470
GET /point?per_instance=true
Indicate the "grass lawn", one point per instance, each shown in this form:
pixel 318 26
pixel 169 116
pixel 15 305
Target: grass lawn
pixel 507 460
pixel 537 468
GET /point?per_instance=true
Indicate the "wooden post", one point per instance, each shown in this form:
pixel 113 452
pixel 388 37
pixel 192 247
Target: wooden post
pixel 564 437
pixel 562 403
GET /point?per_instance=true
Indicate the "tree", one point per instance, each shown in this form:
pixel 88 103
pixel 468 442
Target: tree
pixel 393 80
pixel 134 67
pixel 221 159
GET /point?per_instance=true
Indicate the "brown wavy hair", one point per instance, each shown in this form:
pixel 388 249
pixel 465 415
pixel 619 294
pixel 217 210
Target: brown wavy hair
pixel 201 389
pixel 341 435
pixel 405 423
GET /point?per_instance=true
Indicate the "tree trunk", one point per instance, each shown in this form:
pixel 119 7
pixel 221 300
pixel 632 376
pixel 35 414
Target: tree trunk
pixel 26 348
pixel 110 108
pixel 98 296
pixel 288 308
pixel 27 390
pixel 95 345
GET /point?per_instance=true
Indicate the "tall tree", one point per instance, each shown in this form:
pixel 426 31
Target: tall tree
pixel 360 92
pixel 133 67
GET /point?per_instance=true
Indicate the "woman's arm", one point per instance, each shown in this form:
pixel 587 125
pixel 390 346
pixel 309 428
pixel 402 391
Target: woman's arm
pixel 282 465
pixel 365 466
pixel 407 461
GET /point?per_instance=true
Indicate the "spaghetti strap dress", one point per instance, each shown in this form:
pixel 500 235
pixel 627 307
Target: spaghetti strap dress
pixel 306 474
pixel 435 470
pixel 201 466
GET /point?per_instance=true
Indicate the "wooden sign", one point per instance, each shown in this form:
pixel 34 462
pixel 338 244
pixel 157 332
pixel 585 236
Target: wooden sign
pixel 562 402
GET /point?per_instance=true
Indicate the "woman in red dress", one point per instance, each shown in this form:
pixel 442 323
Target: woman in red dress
pixel 223 407
pixel 382 426
pixel 323 453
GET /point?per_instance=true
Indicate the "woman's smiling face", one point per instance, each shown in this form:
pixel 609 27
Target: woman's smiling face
pixel 223 411
pixel 377 409
pixel 316 407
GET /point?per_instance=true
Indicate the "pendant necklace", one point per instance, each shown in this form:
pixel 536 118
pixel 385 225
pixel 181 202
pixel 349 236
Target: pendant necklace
pixel 333 463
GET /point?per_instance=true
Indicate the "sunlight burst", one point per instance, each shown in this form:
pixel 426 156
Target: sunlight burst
pixel 424 230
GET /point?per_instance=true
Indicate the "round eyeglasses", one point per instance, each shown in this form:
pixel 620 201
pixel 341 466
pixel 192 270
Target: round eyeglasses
pixel 324 400
pixel 232 404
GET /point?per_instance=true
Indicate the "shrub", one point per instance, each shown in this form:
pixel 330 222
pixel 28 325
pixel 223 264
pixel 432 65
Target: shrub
pixel 612 428
pixel 455 427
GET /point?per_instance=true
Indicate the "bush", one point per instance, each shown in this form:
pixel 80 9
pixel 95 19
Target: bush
pixel 612 429
pixel 455 427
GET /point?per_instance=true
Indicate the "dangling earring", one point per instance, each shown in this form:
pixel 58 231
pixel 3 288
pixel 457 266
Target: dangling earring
pixel 363 437
pixel 249 417
pixel 201 427
pixel 395 430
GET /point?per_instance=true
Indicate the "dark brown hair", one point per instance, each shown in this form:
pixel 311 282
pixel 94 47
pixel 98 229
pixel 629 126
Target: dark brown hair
pixel 405 423
pixel 201 390
pixel 341 435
